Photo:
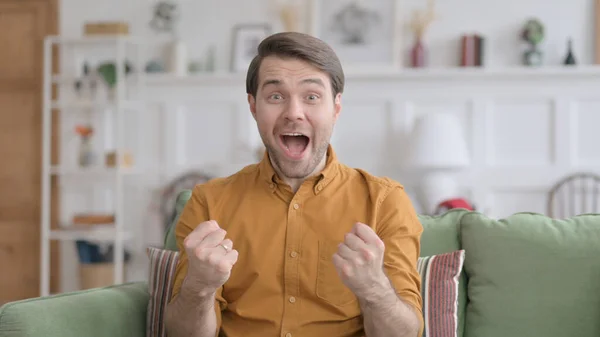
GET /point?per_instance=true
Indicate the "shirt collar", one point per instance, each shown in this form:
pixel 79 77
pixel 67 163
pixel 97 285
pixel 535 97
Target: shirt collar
pixel 268 174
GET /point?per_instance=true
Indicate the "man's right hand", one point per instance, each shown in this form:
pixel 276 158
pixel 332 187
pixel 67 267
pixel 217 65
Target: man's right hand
pixel 210 258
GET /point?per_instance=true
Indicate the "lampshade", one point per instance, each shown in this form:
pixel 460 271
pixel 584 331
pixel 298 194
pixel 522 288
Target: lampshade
pixel 438 142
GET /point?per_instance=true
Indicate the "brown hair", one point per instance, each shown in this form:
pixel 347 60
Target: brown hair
pixel 300 46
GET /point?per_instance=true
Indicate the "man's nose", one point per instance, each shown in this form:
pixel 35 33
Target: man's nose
pixel 294 110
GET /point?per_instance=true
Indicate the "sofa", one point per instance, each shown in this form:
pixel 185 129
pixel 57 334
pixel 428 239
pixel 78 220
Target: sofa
pixel 526 275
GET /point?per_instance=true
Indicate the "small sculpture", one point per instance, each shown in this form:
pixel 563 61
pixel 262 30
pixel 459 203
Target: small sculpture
pixel 533 34
pixel 570 58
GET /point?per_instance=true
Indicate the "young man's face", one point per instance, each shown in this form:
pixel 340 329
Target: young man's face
pixel 295 112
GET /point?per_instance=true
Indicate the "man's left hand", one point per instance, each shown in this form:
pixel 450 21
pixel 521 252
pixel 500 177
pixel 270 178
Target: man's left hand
pixel 359 262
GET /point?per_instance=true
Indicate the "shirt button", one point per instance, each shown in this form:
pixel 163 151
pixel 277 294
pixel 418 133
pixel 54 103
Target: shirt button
pixel 288 335
pixel 292 299
pixel 293 254
pixel 271 185
pixel 296 206
pixel 320 187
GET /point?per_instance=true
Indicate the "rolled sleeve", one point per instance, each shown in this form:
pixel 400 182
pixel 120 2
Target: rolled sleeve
pixel 399 228
pixel 194 213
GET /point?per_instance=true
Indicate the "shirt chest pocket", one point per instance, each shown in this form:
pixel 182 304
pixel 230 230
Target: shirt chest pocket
pixel 330 287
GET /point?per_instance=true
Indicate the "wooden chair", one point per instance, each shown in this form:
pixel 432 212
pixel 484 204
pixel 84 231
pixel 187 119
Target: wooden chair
pixel 575 194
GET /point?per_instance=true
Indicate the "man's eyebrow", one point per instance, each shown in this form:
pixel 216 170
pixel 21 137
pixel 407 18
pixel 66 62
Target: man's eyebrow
pixel 315 81
pixel 276 82
pixel 269 82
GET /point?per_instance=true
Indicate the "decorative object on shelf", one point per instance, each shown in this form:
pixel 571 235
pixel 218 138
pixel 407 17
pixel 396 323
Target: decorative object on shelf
pixel 110 159
pixel 354 23
pixel 438 149
pixel 533 34
pixel 209 62
pixel 418 54
pixel 108 72
pixel 570 58
pixel 106 28
pixel 86 84
pixel 421 20
pixel 364 34
pixel 206 64
pixel 178 58
pixel 166 19
pixel 472 50
pixel 195 67
pixel 246 38
pixel 86 155
pixel 90 219
pixel 290 13
pixel 97 265
pixel 154 66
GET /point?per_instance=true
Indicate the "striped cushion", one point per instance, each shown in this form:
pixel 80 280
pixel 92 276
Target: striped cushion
pixel 439 288
pixel 160 286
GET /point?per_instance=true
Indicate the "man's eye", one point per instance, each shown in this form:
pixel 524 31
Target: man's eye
pixel 275 96
pixel 312 97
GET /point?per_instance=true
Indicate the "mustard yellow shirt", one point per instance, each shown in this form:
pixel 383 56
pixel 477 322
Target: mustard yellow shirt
pixel 284 282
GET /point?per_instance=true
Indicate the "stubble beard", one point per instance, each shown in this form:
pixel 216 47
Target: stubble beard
pixel 297 170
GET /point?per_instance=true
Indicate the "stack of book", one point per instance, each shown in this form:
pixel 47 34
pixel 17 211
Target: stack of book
pixel 472 50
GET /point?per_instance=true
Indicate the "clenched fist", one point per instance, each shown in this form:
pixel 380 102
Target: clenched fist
pixel 210 256
pixel 359 261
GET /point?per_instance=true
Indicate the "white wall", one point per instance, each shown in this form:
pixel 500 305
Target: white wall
pixel 208 22
pixel 204 122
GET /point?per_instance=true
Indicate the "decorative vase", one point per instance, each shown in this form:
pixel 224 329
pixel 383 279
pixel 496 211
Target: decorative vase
pixel 533 57
pixel 178 58
pixel 85 152
pixel 418 54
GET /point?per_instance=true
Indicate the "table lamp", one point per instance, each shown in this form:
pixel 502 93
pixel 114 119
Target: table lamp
pixel 438 148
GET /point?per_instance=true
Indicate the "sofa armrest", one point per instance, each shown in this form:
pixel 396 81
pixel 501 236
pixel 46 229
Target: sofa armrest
pixel 115 311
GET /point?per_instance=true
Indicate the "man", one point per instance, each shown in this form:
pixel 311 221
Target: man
pixel 298 244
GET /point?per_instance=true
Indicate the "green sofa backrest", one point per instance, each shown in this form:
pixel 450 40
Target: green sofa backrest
pixel 183 197
pixel 441 234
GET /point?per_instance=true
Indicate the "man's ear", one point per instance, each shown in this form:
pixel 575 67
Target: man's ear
pixel 252 104
pixel 337 105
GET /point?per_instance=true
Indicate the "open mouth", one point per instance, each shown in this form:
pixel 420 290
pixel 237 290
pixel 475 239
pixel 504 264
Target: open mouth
pixel 294 144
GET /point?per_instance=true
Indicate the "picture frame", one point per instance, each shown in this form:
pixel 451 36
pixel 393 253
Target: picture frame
pixel 246 38
pixel 341 24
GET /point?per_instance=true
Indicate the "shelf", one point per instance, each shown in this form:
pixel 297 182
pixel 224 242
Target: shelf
pixel 449 73
pixel 86 105
pixel 102 233
pixel 121 103
pixel 95 40
pixel 95 171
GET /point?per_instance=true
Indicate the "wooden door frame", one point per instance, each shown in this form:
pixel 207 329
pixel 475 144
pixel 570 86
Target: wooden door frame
pixel 49 9
pixel 55 274
pixel 597 31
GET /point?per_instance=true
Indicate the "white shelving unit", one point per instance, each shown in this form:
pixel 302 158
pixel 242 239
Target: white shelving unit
pixel 120 103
